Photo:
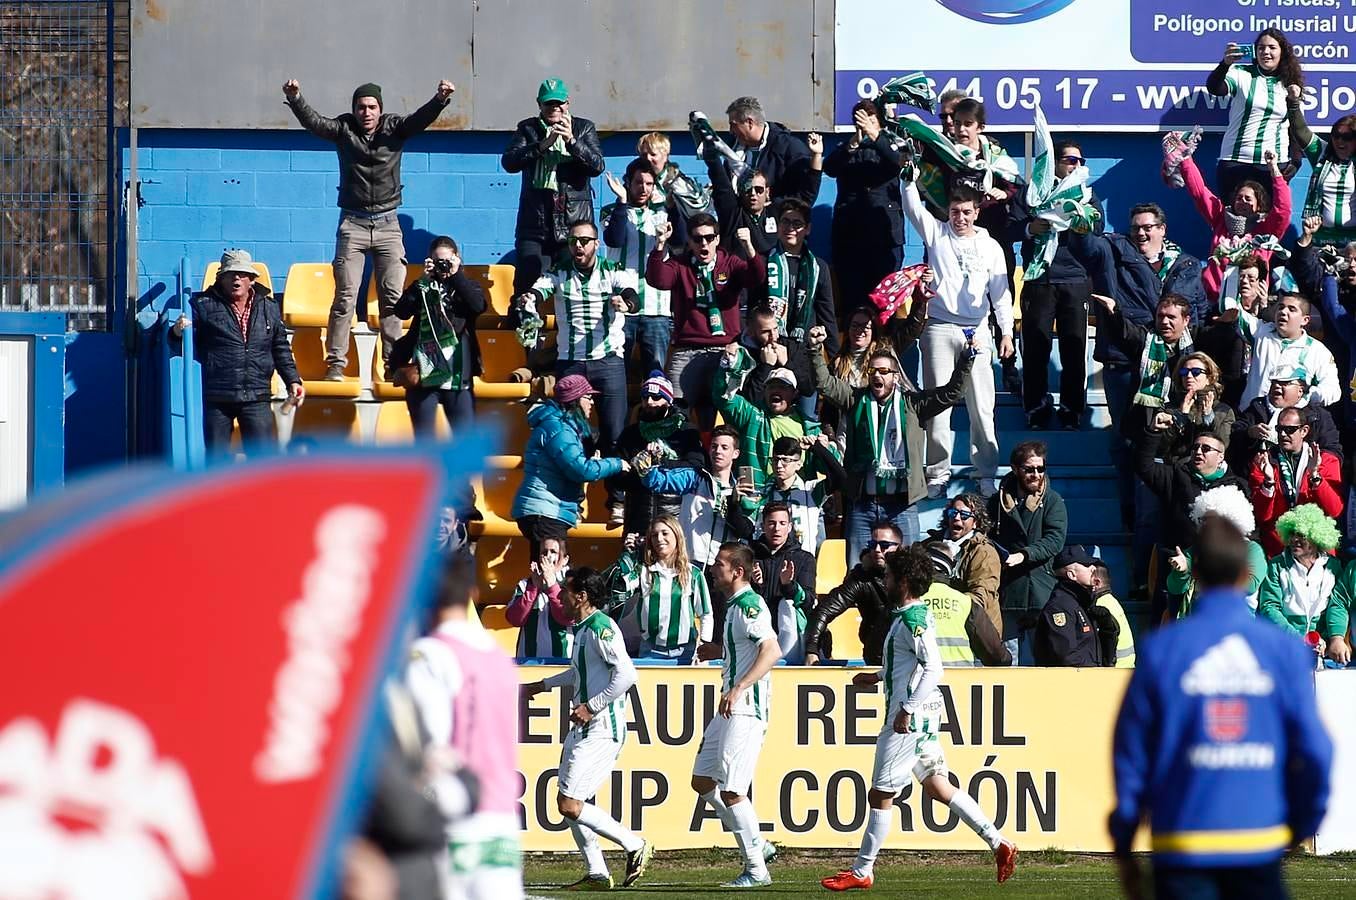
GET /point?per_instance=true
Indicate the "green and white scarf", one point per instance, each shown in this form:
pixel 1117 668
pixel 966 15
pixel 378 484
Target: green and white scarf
pixel 991 159
pixel 544 174
pixel 878 444
pixel 633 254
pixel 1066 205
pixel 706 284
pixel 438 352
pixel 1155 379
pixel 1291 472
pixel 1169 258
pixel 791 285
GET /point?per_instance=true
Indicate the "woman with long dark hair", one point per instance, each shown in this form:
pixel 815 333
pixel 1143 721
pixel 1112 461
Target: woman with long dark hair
pixel 1257 114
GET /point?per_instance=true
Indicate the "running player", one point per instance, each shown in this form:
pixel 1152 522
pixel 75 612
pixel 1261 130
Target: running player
pixel 462 684
pixel 601 673
pixel 908 745
pixel 728 755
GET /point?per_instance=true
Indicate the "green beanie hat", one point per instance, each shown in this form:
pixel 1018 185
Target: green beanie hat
pixel 368 90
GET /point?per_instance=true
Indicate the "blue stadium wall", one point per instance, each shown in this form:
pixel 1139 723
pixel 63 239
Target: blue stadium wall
pixel 273 192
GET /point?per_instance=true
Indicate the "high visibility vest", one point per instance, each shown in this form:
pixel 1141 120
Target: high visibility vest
pixel 950 609
pixel 1125 644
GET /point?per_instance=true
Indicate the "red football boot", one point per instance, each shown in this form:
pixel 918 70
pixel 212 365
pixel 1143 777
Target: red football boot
pixel 847 881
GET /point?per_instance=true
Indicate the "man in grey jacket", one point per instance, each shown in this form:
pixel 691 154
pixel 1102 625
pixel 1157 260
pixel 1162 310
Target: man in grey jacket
pixel 369 144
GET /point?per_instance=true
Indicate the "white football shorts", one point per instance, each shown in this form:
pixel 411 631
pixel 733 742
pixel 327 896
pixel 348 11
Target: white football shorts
pixel 729 752
pixel 586 762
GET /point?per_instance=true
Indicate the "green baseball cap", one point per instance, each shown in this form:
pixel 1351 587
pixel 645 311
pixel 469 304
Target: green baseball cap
pixel 553 90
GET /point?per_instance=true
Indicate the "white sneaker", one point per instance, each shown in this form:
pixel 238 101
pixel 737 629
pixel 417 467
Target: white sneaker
pixel 749 880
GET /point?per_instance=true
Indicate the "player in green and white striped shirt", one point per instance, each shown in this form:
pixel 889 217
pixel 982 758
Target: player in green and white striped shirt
pixel 601 674
pixel 909 744
pixel 666 593
pixel 1257 110
pixel 728 755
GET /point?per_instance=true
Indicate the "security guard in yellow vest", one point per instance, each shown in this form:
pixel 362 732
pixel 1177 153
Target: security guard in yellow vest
pixel 1101 596
pixel 965 635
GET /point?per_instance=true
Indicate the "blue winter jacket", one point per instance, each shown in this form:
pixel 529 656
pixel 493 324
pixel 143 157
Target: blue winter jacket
pixel 1117 269
pixel 1218 741
pixel 555 467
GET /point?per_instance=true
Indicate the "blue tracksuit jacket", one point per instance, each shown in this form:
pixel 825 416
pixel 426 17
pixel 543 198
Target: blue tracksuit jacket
pixel 1218 741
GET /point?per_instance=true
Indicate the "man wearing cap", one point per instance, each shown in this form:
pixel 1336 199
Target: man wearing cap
pixel 1067 634
pixel 660 437
pixel 1255 426
pixel 557 154
pixel 240 342
pixel 369 144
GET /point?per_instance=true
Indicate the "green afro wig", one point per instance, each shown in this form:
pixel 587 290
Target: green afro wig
pixel 1308 521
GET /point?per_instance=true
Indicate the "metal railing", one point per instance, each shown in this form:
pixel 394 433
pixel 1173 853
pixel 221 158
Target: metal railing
pixel 58 167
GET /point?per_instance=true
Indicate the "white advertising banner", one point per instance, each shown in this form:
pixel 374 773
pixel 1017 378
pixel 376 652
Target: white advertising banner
pixel 1114 65
pixel 1337 705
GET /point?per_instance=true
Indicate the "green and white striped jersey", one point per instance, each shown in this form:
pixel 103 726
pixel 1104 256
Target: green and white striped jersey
pixel 747 625
pixel 635 251
pixel 587 325
pixel 1332 188
pixel 598 651
pixel 667 613
pixel 1257 116
pixel 541 635
pixel 913 665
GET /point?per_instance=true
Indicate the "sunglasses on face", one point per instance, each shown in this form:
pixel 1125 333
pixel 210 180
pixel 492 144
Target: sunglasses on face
pixel 791 224
pixel 860 326
pixel 881 370
pixel 580 240
pixel 704 238
pixel 882 545
pixel 1204 449
pixel 1073 160
pixel 756 189
pixel 1344 135
pixel 1287 430
pixel 1193 371
pixel 1034 470
pixel 963 514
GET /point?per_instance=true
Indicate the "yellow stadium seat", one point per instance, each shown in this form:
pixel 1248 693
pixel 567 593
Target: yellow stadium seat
pixel 510 419
pixel 501 390
pixel 497 490
pixel 598 553
pixel 500 354
pixel 831 567
pixel 497 282
pixel 393 424
pixel 381 388
pixel 309 295
pixel 308 349
pixel 412 273
pixel 210 275
pixel 846 643
pixel 494 620
pixel 325 418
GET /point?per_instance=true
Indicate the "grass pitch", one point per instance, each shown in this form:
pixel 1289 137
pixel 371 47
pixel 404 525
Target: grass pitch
pixel 1041 875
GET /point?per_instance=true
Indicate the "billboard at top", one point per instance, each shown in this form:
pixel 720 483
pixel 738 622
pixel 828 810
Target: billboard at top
pixel 1114 65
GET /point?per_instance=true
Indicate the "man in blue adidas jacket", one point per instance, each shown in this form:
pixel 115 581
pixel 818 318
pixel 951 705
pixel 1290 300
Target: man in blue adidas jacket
pixel 1219 743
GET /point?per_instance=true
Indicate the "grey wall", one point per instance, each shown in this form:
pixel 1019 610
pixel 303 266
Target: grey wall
pixel 630 64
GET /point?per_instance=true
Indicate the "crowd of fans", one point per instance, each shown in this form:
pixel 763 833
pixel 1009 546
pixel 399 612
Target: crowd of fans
pixel 1223 373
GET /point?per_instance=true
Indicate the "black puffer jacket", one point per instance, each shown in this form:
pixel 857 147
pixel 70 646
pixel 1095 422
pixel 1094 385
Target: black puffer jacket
pixel 864 589
pixel 236 369
pixel 369 166
pixel 543 214
pixel 772 590
pixel 867 211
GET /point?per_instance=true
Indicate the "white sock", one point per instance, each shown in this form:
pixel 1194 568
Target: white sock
pixel 969 811
pixel 587 842
pixel 746 836
pixel 593 817
pixel 727 819
pixel 877 830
